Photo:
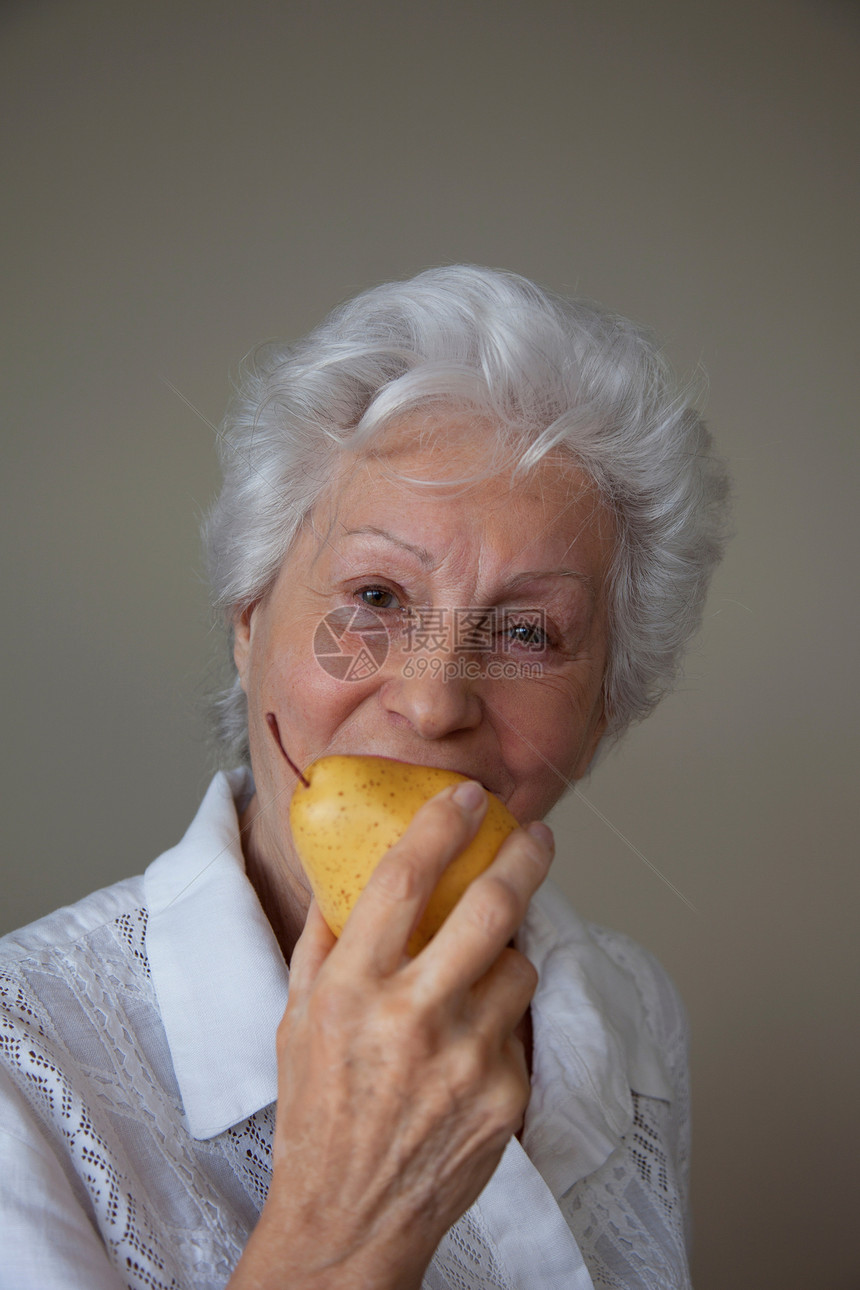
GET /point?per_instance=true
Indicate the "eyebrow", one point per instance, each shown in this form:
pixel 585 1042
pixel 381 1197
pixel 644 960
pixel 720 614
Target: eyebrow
pixel 369 530
pixel 423 555
pixel 585 579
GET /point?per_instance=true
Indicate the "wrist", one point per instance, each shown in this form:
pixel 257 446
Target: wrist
pixel 285 1254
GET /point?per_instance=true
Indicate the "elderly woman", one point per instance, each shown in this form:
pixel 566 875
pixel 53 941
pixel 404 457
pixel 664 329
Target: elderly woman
pixel 464 525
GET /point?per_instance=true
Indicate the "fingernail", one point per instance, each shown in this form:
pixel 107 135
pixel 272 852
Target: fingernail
pixel 543 833
pixel 469 795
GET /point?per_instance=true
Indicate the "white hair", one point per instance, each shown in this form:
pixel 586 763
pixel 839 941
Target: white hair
pixel 547 373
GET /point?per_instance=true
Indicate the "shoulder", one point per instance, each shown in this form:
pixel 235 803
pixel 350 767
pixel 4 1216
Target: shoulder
pixel 662 1005
pixel 85 1084
pixel 55 972
pixel 73 924
pixel 76 998
pixel 634 990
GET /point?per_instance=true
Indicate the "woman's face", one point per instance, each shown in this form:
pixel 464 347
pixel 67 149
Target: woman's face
pixel 493 599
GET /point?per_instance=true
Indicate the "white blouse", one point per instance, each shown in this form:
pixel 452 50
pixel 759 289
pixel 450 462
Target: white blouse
pixel 138 1079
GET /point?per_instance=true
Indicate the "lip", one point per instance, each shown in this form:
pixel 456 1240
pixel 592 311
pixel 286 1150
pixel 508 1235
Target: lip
pixel 272 722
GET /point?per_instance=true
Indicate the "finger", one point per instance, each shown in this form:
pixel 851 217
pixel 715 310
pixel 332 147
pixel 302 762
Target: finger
pixel 390 907
pixel 490 910
pixel 499 1001
pixel 311 950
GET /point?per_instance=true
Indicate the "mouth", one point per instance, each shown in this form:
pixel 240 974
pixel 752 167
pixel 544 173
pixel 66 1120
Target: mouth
pixel 272 723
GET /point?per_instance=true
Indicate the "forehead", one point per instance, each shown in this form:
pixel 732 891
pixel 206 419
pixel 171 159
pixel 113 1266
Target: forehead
pixel 448 481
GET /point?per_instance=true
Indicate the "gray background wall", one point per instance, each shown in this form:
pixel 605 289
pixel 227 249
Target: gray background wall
pixel 184 179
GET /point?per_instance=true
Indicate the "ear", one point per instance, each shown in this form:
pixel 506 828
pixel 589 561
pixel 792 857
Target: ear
pixel 243 637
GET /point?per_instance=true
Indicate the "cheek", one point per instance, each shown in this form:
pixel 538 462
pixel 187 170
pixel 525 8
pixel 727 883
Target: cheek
pixel 544 730
pixel 311 705
pixel 551 774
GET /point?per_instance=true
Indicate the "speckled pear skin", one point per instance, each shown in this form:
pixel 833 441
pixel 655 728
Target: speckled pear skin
pixel 358 807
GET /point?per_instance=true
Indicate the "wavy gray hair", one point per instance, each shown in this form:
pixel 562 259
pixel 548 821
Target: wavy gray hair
pixel 548 373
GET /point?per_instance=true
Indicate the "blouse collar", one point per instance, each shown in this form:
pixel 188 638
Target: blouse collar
pixel 218 971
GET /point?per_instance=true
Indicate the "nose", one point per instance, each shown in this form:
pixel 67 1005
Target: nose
pixel 437 699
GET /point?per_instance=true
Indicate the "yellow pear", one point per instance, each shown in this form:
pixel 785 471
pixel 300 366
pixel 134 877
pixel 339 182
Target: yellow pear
pixel 354 808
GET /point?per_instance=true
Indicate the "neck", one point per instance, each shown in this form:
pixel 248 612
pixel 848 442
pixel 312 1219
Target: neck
pixel 280 886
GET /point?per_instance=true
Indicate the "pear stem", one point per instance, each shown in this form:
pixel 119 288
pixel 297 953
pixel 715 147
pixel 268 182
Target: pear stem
pixel 272 723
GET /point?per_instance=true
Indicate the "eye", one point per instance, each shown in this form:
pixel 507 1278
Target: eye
pixel 530 635
pixel 377 598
